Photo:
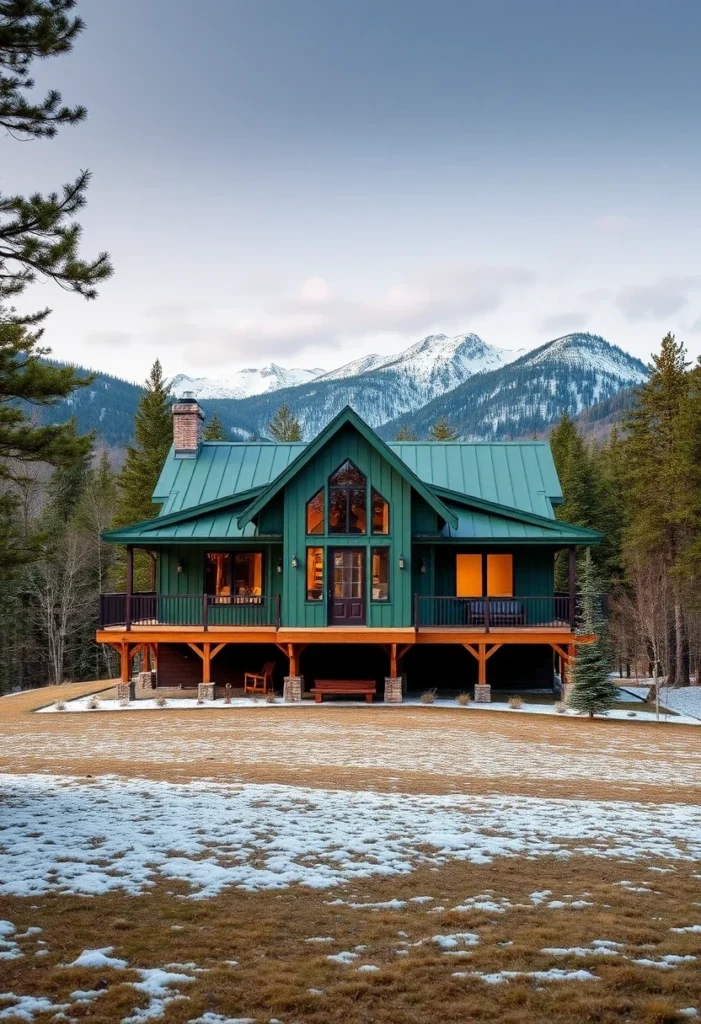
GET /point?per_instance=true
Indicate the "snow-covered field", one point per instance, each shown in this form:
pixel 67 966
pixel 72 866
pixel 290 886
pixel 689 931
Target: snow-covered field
pixel 68 835
pixel 87 704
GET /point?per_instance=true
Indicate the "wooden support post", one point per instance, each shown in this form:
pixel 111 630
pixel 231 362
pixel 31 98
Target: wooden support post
pixel 124 662
pixel 482 665
pixel 147 658
pixel 152 556
pixel 293 659
pixel 130 586
pixel 206 665
pixel 572 584
pixel 393 661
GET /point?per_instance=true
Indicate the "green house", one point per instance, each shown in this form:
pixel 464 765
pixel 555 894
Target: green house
pixel 347 558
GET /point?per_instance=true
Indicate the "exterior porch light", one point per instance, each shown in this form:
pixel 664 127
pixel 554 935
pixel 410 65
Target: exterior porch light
pixel 180 566
pixel 295 561
pixel 279 566
pixel 401 561
pixel 423 566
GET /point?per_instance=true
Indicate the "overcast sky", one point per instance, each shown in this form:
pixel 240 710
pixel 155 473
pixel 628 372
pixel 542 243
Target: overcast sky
pixel 307 181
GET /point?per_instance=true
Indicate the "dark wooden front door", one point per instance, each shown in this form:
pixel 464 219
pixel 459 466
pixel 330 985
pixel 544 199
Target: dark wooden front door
pixel 347 595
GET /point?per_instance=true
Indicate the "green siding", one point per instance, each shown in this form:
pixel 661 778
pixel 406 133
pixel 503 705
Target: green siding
pixel 533 570
pixel 347 444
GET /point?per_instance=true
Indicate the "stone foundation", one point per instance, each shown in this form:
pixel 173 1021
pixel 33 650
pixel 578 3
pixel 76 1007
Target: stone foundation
pixel 145 680
pixel 205 691
pixel 292 689
pixel 483 694
pixel 126 691
pixel 393 689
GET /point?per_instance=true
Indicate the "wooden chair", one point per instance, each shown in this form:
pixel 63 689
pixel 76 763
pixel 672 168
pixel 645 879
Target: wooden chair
pixel 259 682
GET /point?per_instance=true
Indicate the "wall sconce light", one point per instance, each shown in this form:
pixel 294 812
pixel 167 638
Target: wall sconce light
pixel 401 561
pixel 180 566
pixel 279 566
pixel 423 566
pixel 295 561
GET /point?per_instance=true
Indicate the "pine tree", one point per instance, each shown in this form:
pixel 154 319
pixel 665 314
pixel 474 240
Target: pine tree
pixel 442 431
pixel 284 425
pixel 405 434
pixel 214 429
pixel 153 433
pixel 593 690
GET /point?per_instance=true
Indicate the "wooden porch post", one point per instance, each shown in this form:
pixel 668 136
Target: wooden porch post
pixel 130 585
pixel 124 662
pixel 206 664
pixel 152 556
pixel 571 579
pixel 482 665
pixel 393 661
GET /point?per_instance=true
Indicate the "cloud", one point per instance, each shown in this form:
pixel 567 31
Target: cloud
pixel 656 301
pixel 110 339
pixel 612 224
pixel 561 323
pixel 319 314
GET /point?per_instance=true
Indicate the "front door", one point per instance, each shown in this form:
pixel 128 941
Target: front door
pixel 347 593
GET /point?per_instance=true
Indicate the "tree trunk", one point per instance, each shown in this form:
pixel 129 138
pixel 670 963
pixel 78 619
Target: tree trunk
pixel 681 646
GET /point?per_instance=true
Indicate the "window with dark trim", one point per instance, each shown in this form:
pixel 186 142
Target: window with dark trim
pixel 234 578
pixel 380 574
pixel 380 514
pixel 315 574
pixel 347 500
pixel 315 513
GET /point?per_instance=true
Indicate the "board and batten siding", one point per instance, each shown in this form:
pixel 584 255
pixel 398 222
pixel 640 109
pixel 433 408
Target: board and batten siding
pixel 347 444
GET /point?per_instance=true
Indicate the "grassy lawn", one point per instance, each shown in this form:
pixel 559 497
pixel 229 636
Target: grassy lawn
pixel 446 867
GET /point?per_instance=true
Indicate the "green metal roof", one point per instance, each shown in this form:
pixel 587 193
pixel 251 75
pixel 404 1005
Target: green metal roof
pixel 480 524
pixel 517 474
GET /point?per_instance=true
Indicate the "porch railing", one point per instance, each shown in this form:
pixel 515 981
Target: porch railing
pixel 494 612
pixel 205 610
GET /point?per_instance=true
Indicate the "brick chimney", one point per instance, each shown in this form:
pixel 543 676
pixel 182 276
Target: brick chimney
pixel 187 426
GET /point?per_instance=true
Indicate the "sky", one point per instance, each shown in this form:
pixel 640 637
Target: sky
pixel 309 181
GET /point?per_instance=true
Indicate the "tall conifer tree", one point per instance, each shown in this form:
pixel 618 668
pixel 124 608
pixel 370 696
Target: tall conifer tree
pixel 593 690
pixel 284 425
pixel 442 431
pixel 214 429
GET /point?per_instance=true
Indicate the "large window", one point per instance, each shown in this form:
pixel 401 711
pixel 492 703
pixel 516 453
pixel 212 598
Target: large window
pixel 347 500
pixel 315 574
pixel 380 574
pixel 315 513
pixel 472 572
pixel 380 514
pixel 239 575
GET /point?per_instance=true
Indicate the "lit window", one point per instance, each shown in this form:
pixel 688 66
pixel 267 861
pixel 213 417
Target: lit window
pixel 500 575
pixel 380 574
pixel 239 576
pixel 315 574
pixel 468 575
pixel 315 513
pixel 347 497
pixel 380 514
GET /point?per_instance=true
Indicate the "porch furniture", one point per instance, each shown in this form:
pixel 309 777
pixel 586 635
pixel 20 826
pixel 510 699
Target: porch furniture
pixel 364 687
pixel 502 612
pixel 259 682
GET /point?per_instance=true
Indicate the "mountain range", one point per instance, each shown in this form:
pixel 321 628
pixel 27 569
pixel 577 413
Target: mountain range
pixel 485 392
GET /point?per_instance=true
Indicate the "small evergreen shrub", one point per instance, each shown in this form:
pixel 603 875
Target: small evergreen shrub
pixel 463 698
pixel 428 696
pixel 271 697
pixel 161 702
pixel 516 702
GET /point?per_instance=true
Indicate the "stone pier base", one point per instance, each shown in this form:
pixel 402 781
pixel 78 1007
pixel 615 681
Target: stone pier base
pixel 483 694
pixel 126 691
pixel 393 690
pixel 145 680
pixel 205 691
pixel 292 689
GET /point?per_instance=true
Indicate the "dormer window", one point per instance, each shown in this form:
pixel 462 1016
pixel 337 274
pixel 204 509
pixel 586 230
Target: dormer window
pixel 347 500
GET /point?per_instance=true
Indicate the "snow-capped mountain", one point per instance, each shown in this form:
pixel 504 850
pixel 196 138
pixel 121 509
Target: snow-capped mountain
pixel 243 383
pixel 569 374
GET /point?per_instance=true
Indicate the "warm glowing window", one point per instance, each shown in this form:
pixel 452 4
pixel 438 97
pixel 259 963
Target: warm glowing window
pixel 468 575
pixel 315 513
pixel 500 575
pixel 240 575
pixel 380 514
pixel 347 497
pixel 380 574
pixel 315 574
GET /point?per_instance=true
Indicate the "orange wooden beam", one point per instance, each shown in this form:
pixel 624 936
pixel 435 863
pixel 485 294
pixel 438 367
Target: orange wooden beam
pixel 492 650
pixel 473 650
pixel 216 650
pixel 196 649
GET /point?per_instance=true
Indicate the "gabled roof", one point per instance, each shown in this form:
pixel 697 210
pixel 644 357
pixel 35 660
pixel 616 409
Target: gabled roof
pixel 484 520
pixel 347 417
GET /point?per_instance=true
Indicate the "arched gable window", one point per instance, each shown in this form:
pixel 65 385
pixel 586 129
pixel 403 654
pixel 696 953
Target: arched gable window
pixel 315 513
pixel 347 500
pixel 380 513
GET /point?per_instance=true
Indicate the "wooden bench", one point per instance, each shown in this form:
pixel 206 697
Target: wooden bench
pixel 365 687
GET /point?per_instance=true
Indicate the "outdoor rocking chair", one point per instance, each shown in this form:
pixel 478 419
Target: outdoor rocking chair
pixel 259 682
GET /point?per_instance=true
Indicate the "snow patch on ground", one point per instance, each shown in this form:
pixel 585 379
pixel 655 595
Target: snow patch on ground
pixel 554 974
pixel 686 700
pixel 62 834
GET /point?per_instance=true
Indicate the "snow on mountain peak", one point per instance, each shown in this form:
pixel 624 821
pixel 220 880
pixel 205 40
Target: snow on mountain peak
pixel 244 383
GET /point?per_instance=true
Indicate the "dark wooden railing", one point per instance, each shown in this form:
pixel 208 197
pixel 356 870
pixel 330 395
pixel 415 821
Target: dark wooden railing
pixel 494 612
pixel 206 610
